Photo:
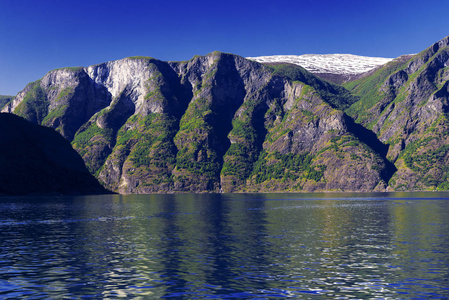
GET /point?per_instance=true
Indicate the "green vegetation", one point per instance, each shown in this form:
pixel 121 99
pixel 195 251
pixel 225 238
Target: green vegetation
pixel 427 156
pixel 142 58
pixel 5 100
pixel 373 90
pixel 84 137
pixel 422 164
pixel 220 130
pixel 90 142
pixel 73 69
pixel 65 93
pixel 369 91
pixel 286 167
pixel 209 169
pixel 54 114
pixel 422 156
pixel 34 106
pixel 196 155
pixel 152 141
pixel 242 154
pixel 248 133
pixel 148 145
pixel 335 95
pixel 155 95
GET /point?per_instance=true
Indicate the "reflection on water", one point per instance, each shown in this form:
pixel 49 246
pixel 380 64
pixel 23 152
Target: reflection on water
pixel 226 246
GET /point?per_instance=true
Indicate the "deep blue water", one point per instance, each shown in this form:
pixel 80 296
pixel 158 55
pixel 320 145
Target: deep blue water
pixel 264 246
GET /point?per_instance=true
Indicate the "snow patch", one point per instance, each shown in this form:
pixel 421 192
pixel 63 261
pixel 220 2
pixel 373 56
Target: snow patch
pixel 345 64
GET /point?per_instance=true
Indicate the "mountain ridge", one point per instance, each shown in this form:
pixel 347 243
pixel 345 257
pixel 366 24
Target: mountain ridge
pixel 222 123
pixel 208 124
pixel 4 99
pixel 337 68
pixel 405 103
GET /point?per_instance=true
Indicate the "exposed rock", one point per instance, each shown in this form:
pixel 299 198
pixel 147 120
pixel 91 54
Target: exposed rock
pixel 221 123
pixel 215 123
pixel 405 105
pixel 5 100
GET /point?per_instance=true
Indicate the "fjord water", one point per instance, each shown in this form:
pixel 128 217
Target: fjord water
pixel 310 246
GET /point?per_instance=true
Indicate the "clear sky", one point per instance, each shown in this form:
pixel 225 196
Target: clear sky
pixel 37 36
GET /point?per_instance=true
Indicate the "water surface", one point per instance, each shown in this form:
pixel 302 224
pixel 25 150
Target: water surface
pixel 310 246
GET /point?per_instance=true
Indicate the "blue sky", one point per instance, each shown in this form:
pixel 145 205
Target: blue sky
pixel 38 36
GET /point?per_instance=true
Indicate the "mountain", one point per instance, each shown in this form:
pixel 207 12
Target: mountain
pixel 215 123
pixel 36 160
pixel 222 123
pixel 337 68
pixel 405 103
pixel 4 100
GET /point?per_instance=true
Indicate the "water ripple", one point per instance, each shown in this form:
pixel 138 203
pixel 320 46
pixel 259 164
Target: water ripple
pixel 204 248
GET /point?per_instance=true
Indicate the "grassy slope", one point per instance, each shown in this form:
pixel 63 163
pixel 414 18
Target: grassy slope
pixel 421 144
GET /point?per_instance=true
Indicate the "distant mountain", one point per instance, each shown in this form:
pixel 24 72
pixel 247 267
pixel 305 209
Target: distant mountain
pixel 37 160
pixel 215 123
pixel 4 100
pixel 337 68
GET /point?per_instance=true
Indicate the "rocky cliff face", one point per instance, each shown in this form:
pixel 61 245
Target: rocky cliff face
pixel 215 123
pixel 37 160
pixel 406 104
pixel 63 99
pixel 5 100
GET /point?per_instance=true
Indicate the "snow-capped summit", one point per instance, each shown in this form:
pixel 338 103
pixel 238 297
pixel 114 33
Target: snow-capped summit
pixel 347 65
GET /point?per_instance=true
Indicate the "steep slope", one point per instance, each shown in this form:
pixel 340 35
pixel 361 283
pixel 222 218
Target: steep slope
pixel 63 99
pixel 36 160
pixel 215 123
pixel 335 95
pixel 337 68
pixel 406 104
pixel 4 100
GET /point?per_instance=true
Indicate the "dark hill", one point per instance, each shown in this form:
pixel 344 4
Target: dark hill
pixel 37 160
